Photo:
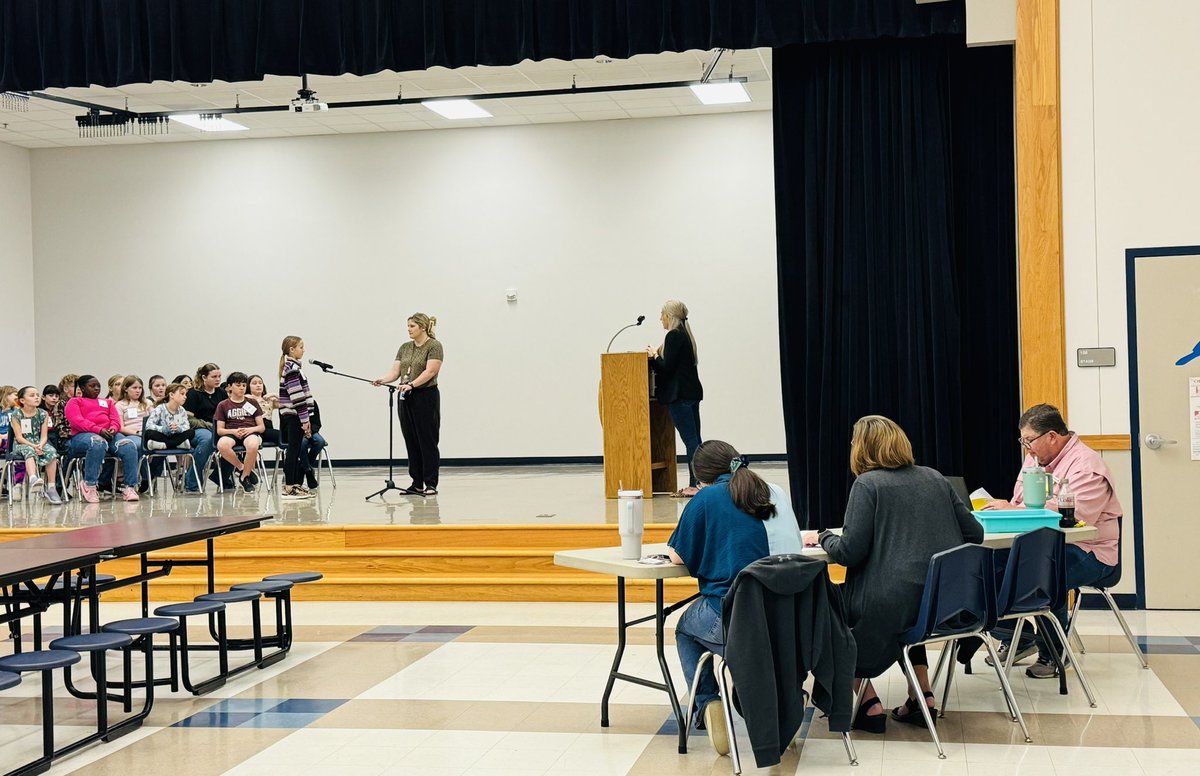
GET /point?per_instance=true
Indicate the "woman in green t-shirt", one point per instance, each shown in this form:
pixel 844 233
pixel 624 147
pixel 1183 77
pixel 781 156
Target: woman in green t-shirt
pixel 417 365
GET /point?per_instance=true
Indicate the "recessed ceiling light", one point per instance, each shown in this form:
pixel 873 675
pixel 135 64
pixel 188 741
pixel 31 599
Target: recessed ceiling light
pixel 721 92
pixel 208 123
pixel 456 109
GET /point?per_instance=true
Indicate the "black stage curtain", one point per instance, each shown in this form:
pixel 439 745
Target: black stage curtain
pixel 895 219
pixel 46 43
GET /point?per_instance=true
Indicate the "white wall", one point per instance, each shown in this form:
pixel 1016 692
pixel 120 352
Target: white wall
pixel 16 267
pixel 186 252
pixel 1131 173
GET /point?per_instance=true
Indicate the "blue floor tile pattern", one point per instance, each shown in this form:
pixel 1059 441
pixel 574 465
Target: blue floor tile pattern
pixel 1169 645
pixel 284 713
pixel 439 634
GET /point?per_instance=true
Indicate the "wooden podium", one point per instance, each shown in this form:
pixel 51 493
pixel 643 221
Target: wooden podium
pixel 639 438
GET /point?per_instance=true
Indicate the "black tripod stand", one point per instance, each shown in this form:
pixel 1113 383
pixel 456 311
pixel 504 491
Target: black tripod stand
pixel 390 483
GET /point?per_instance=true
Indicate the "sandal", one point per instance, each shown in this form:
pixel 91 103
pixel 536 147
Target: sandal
pixel 912 712
pixel 868 723
pixel 429 492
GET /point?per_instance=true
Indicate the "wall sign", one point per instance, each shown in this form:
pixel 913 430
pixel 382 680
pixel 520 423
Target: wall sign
pixel 1194 412
pixel 1096 356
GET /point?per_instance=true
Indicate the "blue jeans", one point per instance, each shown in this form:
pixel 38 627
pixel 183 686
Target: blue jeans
pixel 310 452
pixel 92 448
pixel 699 630
pixel 202 445
pixel 685 414
pixel 1082 569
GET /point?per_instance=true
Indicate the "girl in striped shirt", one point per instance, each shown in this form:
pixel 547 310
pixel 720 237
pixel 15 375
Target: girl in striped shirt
pixel 295 416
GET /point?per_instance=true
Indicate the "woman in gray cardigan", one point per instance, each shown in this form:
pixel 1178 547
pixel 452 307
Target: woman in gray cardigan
pixel 898 517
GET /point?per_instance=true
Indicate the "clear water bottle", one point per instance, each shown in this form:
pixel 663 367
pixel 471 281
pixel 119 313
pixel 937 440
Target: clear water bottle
pixel 1066 505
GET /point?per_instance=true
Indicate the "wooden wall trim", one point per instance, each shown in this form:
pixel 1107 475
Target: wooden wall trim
pixel 1039 206
pixel 1106 441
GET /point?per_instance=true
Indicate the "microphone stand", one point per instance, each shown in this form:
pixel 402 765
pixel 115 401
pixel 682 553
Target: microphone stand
pixel 390 483
pixel 618 334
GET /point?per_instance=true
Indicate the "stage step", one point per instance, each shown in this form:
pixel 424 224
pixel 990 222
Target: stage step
pixel 403 563
pixel 399 563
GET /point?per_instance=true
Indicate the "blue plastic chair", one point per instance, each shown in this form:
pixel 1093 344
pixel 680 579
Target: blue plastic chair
pixel 1034 586
pixel 959 602
pixel 1102 587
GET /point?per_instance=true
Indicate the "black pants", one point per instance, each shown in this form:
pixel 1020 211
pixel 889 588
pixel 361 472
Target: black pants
pixel 421 424
pixel 291 433
pixel 170 440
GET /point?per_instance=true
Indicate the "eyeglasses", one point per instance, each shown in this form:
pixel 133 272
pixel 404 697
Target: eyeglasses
pixel 1028 443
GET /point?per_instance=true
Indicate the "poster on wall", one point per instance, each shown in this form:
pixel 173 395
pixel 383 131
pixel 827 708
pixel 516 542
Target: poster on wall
pixel 1194 411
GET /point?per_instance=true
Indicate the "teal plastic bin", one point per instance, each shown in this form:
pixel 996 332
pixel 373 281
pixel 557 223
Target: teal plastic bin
pixel 999 521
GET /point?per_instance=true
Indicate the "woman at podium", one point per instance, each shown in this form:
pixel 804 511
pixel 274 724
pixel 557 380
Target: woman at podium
pixel 677 381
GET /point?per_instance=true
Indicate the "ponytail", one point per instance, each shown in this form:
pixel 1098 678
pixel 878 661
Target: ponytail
pixel 748 491
pixel 289 342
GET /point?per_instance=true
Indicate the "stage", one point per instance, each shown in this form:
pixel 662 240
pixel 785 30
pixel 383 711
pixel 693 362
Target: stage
pixel 490 534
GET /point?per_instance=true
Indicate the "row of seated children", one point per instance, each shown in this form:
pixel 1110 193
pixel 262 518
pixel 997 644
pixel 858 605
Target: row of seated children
pixel 37 426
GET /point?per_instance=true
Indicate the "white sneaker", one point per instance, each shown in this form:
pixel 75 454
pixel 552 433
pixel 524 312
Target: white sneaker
pixel 36 487
pixel 18 492
pixel 714 723
pixel 154 444
pixel 52 496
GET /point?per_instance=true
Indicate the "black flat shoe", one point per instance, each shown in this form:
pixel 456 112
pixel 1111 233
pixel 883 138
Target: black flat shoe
pixel 966 650
pixel 413 490
pixel 870 723
pixel 912 713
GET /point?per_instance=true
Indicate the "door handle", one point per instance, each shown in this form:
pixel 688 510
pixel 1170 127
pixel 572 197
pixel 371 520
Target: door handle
pixel 1154 441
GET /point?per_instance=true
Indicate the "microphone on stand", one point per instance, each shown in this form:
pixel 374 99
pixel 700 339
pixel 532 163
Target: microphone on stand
pixel 324 367
pixel 623 328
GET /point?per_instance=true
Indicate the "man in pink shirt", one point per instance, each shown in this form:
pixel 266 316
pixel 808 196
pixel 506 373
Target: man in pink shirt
pixel 1049 443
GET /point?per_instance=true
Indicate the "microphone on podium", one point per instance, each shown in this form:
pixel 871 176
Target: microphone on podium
pixel 325 367
pixel 640 318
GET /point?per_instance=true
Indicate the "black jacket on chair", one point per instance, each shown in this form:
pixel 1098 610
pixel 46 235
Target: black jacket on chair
pixel 675 374
pixel 783 620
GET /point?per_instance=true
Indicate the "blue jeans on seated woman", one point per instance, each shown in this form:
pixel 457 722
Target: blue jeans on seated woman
pixel 699 630
pixel 92 449
pixel 310 452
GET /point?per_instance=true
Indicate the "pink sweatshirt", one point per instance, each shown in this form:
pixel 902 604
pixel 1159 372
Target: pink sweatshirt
pixel 92 415
pixel 1095 495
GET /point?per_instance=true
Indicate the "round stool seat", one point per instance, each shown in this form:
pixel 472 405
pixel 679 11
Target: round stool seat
pixel 190 609
pixel 231 596
pixel 9 679
pixel 139 626
pixel 92 642
pixel 42 660
pixel 76 581
pixel 271 586
pixel 295 577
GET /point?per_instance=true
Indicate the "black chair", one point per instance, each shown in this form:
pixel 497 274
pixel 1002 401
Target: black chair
pixel 1034 586
pixel 95 645
pixel 959 603
pixel 1102 586
pixel 142 630
pixel 148 455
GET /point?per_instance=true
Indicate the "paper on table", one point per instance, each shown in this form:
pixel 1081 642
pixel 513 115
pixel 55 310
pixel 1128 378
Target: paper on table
pixel 980 498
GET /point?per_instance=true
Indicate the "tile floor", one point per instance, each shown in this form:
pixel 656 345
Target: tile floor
pixel 469 689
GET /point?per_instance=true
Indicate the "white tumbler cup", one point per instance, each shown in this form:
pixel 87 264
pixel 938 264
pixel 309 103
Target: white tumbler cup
pixel 630 523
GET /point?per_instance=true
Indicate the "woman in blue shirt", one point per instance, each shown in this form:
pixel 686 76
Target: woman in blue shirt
pixel 735 519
